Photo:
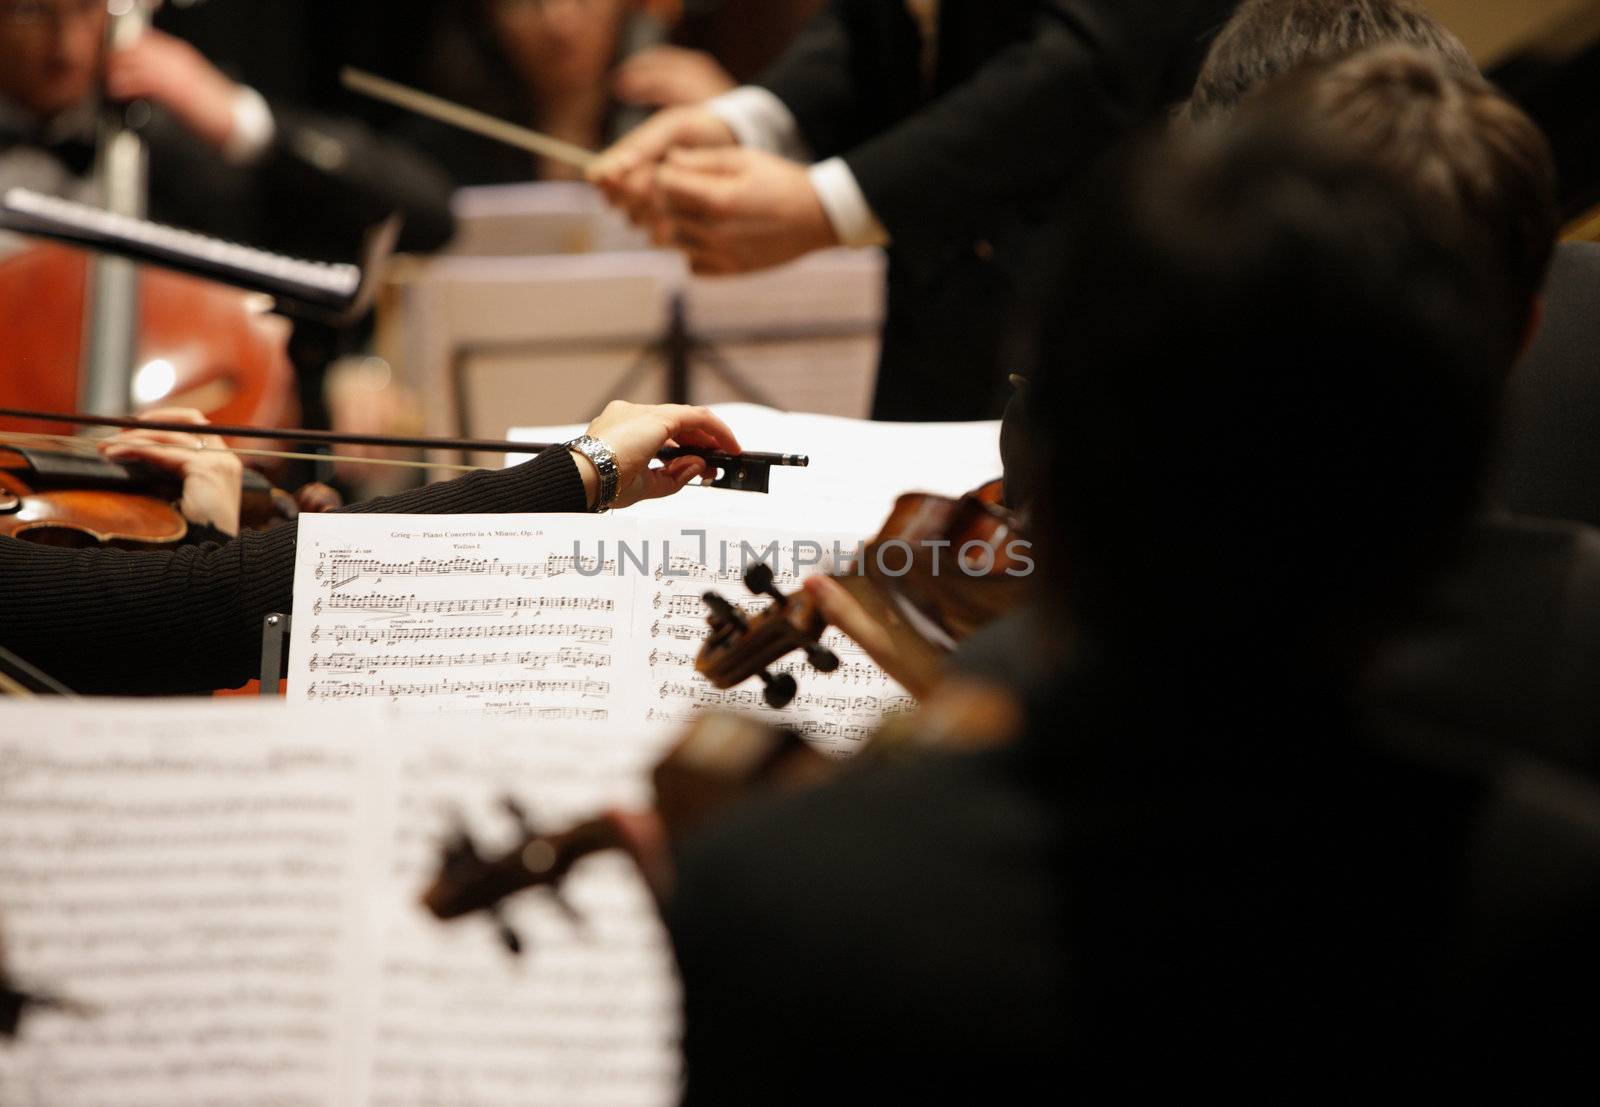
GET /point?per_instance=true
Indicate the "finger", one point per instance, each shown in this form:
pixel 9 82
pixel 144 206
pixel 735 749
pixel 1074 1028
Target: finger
pixel 646 143
pixel 643 836
pixel 170 458
pixel 696 233
pixel 682 470
pixel 175 415
pixel 707 264
pixel 692 193
pixel 700 426
pixel 168 439
pixel 842 610
pixel 723 160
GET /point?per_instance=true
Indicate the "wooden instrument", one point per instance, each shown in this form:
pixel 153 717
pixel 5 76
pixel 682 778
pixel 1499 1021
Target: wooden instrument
pixel 746 472
pixel 720 759
pixel 939 569
pixel 63 499
pixel 199 344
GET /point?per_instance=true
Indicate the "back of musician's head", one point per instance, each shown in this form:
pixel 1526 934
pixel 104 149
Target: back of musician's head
pixel 1264 395
pixel 1469 154
pixel 1266 39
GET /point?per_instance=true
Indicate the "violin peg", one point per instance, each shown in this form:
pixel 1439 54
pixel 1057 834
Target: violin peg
pixel 822 659
pixel 723 611
pixel 574 916
pixel 758 578
pixel 519 815
pixel 506 933
pixel 780 690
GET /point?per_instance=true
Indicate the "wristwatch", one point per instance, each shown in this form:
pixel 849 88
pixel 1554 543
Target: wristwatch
pixel 605 463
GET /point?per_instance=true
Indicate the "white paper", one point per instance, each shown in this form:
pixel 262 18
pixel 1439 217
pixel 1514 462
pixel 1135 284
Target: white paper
pixel 234 886
pixel 500 615
pixel 196 874
pixel 857 469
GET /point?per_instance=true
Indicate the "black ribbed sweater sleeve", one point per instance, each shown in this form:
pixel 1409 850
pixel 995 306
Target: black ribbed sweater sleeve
pixel 189 619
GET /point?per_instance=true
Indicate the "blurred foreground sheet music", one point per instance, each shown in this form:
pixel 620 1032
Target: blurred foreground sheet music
pixel 232 887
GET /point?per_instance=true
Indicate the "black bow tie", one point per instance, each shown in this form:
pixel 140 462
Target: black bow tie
pixel 77 154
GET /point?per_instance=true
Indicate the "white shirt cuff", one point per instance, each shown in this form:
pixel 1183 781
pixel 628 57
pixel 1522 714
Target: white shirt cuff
pixel 761 121
pixel 848 210
pixel 253 128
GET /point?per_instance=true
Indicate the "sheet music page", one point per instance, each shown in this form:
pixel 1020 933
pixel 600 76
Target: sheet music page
pixel 491 614
pixel 588 1014
pixel 196 873
pixel 857 469
pixel 565 619
pixel 837 711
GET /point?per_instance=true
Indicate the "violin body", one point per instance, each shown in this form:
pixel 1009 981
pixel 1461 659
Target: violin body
pixel 61 499
pixel 200 344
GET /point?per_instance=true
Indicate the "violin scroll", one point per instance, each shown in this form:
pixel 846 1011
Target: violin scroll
pixel 720 760
pixel 939 569
pixel 739 648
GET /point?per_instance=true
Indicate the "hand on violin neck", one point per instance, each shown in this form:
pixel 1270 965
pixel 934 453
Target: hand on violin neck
pixel 840 609
pixel 168 71
pixel 211 489
pixel 637 432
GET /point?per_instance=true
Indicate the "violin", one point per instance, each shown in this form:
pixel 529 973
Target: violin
pixel 62 499
pixel 722 758
pixel 939 569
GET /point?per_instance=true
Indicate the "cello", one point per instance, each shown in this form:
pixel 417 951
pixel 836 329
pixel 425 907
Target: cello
pixel 111 336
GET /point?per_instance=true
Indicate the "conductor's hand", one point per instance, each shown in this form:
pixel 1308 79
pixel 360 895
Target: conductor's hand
pixel 626 172
pixel 168 71
pixel 735 210
pixel 635 432
pixel 844 611
pixel 210 473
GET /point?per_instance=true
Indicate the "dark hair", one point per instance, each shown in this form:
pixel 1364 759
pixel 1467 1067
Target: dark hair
pixel 1265 396
pixel 1267 38
pixel 1467 152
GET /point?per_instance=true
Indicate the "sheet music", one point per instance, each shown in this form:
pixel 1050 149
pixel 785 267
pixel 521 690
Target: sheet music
pixel 195 875
pixel 572 619
pixel 487 613
pixel 857 469
pixel 838 710
pixel 234 885
pixel 588 1015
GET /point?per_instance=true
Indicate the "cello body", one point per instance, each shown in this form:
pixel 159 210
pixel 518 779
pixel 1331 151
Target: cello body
pixel 199 344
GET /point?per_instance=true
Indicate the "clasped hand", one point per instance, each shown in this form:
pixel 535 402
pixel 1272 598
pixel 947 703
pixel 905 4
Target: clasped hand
pixel 729 208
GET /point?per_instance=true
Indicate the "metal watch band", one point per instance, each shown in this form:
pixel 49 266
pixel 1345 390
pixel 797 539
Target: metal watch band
pixel 605 463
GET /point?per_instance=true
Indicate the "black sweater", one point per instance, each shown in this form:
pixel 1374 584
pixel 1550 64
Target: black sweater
pixel 189 619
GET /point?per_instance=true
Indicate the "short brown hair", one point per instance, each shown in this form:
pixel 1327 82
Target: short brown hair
pixel 1266 39
pixel 1468 152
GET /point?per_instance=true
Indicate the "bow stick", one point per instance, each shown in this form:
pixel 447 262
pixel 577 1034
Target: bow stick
pixel 746 472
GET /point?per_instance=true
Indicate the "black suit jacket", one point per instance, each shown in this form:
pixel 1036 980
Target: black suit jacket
pixel 1501 653
pixel 1026 94
pixel 1550 464
pixel 314 193
pixel 1139 903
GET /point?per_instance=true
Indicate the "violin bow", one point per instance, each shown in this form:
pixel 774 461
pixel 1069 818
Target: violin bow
pixel 746 472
